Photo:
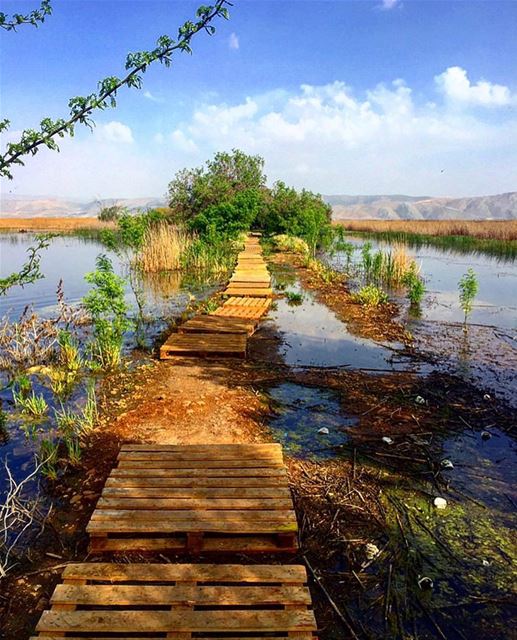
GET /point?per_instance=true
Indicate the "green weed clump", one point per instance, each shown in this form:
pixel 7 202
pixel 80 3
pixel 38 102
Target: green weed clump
pixel 323 271
pixel 106 305
pixel 370 296
pixel 31 405
pixel 294 298
pixel 468 287
pixel 415 287
pixel 291 244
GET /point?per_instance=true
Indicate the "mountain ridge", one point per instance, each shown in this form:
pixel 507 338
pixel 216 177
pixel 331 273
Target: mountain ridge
pixel 344 207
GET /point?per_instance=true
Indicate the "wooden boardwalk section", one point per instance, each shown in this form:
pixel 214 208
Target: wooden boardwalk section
pixel 196 498
pixel 222 333
pixel 182 601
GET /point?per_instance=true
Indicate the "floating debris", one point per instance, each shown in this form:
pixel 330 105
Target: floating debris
pixel 371 550
pixel 440 503
pixel 425 583
pixel 387 440
pixel 486 435
pixel 446 464
pixel 420 400
pixel 324 431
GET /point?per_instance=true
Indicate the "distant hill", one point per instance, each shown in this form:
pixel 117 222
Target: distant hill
pixel 383 207
pixel 42 207
pixel 399 207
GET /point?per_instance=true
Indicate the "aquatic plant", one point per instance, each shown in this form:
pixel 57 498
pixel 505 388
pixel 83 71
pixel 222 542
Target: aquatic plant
pixel 210 255
pixel 61 381
pixel 322 270
pixel 370 296
pixel 68 356
pixel 74 451
pixel 163 246
pixel 67 421
pixel 415 287
pixel 32 405
pixel 89 414
pixel 366 259
pixel 107 308
pixel 48 457
pixel 468 287
pixel 294 298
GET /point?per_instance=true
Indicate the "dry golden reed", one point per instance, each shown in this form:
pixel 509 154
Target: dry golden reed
pixel 163 247
pixel 485 229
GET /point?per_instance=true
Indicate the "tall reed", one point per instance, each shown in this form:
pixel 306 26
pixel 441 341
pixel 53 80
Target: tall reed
pixel 163 248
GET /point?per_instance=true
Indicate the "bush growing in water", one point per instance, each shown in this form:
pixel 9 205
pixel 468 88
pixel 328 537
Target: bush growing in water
pixel 469 287
pixel 371 296
pixel 415 286
pixel 107 308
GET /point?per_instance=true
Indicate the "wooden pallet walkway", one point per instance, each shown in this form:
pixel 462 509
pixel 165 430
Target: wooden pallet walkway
pixel 182 601
pixel 245 308
pixel 196 498
pixel 223 332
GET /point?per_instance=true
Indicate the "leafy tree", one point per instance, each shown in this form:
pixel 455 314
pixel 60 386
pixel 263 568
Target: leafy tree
pixel 217 184
pixel 82 107
pixel 110 214
pixel 303 214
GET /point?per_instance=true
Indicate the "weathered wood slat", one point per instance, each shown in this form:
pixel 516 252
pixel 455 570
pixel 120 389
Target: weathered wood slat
pixel 216 324
pixel 211 503
pixel 186 449
pixel 164 470
pixel 184 620
pixel 219 482
pixel 96 527
pixel 138 595
pixel 204 344
pixel 141 572
pixel 197 493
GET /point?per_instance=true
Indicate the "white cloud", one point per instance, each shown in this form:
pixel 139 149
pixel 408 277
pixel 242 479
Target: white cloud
pixel 385 141
pixel 327 138
pixel 233 41
pixel 116 132
pixel 150 96
pixel 456 86
pixel 390 4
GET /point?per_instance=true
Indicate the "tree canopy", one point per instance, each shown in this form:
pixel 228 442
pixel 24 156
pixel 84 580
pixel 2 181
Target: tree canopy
pixel 228 194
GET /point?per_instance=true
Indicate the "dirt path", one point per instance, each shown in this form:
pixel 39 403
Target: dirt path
pixel 189 401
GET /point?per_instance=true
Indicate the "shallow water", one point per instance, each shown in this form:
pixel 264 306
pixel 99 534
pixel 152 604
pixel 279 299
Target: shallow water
pixel 301 412
pixel 313 336
pixel 496 302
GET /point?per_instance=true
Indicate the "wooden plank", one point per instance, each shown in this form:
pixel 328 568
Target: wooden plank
pixel 243 291
pixel 142 595
pixel 203 455
pixel 162 621
pixel 98 526
pixel 219 545
pixel 203 572
pixel 160 469
pixel 196 493
pixel 193 503
pixel 216 517
pixel 200 464
pixel 216 324
pixel 224 449
pixel 273 481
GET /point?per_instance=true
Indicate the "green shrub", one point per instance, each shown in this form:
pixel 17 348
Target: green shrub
pixel 370 296
pixel 107 308
pixel 294 298
pixel 468 287
pixel 415 287
pixel 284 242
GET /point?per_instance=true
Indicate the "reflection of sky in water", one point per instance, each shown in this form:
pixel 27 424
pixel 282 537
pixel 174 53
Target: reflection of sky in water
pixel 313 336
pixel 496 302
pixel 69 258
pixel 301 412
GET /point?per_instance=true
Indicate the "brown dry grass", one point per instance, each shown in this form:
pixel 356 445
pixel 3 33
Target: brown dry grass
pixel 163 248
pixel 52 224
pixel 486 229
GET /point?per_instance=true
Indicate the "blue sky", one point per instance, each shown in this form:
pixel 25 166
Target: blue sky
pixel 340 97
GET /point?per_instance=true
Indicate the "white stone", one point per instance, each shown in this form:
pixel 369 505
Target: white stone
pixel 440 503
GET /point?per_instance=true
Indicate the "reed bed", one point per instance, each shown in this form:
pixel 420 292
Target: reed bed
pixel 65 224
pixel 163 248
pixel 484 229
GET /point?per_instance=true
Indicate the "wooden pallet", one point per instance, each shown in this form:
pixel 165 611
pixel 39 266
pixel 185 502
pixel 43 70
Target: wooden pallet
pixel 226 345
pixel 246 308
pixel 196 498
pixel 178 600
pixel 218 324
